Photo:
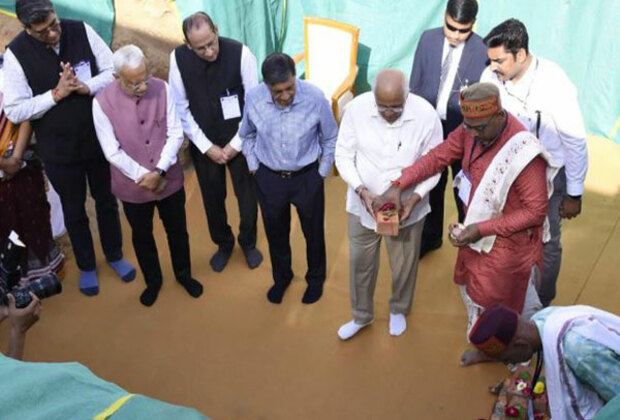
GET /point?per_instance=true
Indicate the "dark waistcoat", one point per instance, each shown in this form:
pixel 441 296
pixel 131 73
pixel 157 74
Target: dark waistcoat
pixel 206 82
pixel 66 132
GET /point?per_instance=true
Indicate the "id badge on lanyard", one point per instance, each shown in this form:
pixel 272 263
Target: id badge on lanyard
pixel 230 106
pixel 82 71
pixel 462 182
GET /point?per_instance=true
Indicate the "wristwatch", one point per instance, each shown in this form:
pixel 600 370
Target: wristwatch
pixel 161 172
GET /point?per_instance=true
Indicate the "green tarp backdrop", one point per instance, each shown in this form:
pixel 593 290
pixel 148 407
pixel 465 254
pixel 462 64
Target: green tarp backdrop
pixel 582 36
pixel 98 13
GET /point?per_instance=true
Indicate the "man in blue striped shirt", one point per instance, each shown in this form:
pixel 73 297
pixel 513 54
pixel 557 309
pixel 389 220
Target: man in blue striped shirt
pixel 289 136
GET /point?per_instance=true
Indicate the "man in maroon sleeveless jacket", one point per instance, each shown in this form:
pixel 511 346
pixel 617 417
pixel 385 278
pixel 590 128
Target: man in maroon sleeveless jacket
pixel 140 135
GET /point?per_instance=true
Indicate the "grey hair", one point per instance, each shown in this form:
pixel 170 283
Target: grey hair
pixel 405 81
pixel 129 56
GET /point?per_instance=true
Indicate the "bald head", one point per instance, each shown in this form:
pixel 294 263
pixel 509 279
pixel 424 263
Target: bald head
pixel 391 90
pixel 391 82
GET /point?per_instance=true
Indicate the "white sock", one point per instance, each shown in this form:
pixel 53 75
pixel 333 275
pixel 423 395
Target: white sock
pixel 398 324
pixel 349 329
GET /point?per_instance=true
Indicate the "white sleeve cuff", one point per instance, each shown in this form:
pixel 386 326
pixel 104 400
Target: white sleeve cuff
pixel 574 189
pixel 202 142
pixel 236 142
pixel 48 101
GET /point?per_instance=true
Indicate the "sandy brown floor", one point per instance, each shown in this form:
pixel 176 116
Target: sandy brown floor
pixel 232 355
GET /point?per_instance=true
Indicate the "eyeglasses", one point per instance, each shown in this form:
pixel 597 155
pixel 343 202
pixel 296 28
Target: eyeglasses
pixel 54 26
pixel 478 128
pixel 136 85
pixel 454 29
pixel 396 109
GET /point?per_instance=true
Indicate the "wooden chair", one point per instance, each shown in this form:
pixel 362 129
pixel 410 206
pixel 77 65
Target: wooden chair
pixel 330 56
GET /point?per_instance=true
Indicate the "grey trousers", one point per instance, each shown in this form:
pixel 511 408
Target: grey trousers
pixel 552 250
pixel 403 252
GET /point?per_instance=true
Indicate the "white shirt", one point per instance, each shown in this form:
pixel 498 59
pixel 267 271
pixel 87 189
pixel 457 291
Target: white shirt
pixel 21 106
pixel 121 160
pixel 373 153
pixel 444 95
pixel 546 88
pixel 249 78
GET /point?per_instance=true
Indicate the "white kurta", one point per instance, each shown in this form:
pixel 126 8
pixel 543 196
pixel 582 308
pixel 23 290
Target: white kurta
pixel 372 153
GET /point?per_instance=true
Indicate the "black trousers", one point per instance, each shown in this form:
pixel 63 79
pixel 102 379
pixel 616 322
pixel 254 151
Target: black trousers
pixel 69 180
pixel 172 214
pixel 306 193
pixel 432 234
pixel 212 180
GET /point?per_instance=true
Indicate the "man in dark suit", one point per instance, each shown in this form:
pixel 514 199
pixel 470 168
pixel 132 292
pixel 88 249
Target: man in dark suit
pixel 447 60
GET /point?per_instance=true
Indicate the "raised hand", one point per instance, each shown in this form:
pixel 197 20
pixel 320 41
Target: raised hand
pixel 67 84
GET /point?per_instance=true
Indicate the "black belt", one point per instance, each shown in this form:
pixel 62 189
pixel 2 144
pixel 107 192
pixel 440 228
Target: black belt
pixel 292 174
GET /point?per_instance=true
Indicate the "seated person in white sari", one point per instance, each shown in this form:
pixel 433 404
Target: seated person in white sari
pixel 580 347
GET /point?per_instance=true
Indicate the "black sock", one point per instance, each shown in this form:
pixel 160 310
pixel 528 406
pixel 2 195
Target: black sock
pixel 312 294
pixel 149 296
pixel 275 293
pixel 193 287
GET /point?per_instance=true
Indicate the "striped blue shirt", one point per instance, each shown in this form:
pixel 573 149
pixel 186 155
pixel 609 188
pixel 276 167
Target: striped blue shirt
pixel 287 139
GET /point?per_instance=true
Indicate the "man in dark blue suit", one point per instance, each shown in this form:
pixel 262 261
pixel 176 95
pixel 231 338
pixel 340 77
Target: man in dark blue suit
pixel 447 60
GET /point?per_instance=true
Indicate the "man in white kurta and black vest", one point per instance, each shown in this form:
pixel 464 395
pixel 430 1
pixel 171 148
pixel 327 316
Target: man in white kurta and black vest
pixel 52 69
pixel 140 134
pixel 209 76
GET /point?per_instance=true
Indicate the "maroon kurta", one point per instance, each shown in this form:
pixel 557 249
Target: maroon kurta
pixel 502 275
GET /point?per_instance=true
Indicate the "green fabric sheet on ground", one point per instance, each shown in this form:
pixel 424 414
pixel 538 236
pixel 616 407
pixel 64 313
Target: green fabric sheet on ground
pixel 65 391
pixel 97 13
pixel 581 36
